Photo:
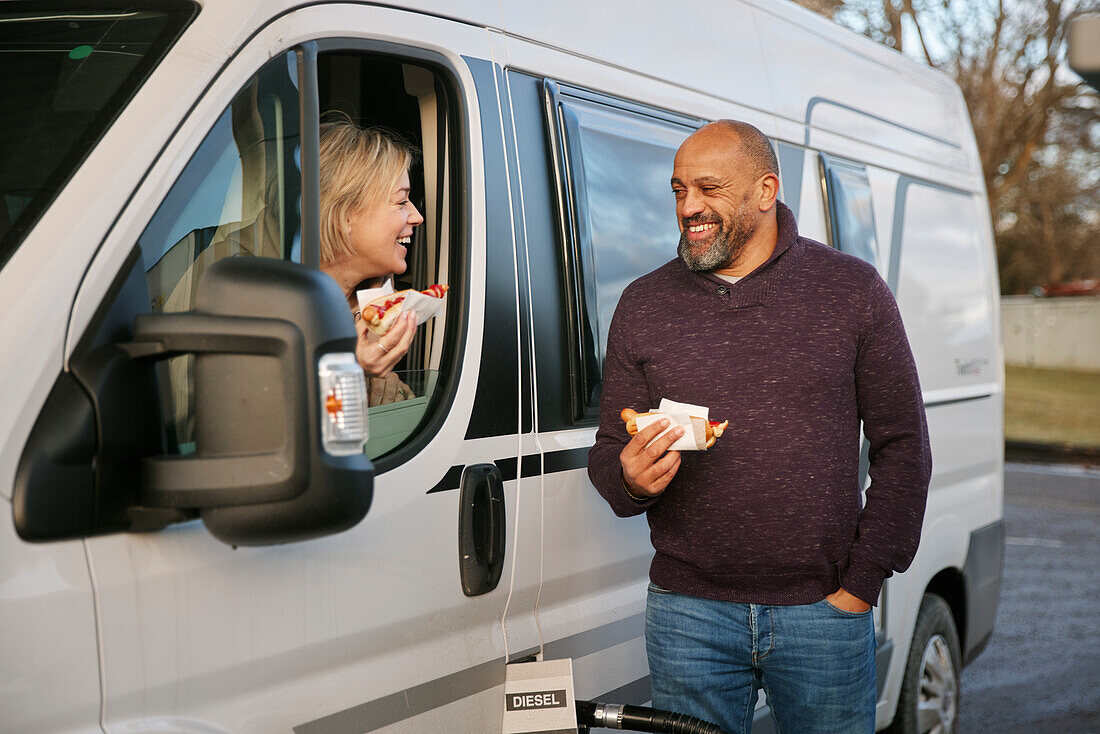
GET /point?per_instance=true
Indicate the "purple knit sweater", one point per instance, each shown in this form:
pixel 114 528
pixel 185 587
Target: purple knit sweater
pixel 795 355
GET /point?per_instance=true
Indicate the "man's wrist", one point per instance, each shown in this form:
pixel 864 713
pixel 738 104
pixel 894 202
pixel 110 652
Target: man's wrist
pixel 631 495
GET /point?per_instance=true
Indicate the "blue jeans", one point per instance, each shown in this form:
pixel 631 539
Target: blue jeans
pixel 815 663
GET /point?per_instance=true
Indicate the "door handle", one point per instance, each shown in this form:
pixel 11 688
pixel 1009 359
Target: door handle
pixel 481 529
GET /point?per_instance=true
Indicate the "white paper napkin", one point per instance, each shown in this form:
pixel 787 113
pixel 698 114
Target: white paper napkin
pixel 368 294
pixel 671 406
pixel 692 417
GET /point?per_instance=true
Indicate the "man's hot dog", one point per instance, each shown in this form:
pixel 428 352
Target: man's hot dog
pixel 380 313
pixel 713 429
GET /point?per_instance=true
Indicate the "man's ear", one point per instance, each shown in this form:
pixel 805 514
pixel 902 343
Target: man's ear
pixel 767 191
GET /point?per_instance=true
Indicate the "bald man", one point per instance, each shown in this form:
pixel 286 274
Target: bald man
pixel 767 559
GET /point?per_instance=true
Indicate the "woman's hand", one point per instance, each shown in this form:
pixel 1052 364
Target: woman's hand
pixel 386 390
pixel 377 355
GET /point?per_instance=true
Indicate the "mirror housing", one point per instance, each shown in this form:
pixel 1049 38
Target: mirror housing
pixel 259 474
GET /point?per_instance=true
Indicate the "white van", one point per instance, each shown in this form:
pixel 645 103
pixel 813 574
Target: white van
pixel 162 321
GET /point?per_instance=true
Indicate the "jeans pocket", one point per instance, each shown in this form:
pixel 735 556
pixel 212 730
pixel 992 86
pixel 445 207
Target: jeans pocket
pixel 655 589
pixel 845 612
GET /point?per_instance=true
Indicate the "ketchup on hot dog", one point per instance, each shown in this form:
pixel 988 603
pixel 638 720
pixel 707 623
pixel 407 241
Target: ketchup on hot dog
pixel 374 312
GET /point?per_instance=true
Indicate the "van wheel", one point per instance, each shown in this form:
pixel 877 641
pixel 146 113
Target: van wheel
pixel 929 700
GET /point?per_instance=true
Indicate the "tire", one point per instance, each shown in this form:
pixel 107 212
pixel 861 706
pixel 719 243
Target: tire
pixel 929 700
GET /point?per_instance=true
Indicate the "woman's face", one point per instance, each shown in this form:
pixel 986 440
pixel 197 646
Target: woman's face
pixel 380 233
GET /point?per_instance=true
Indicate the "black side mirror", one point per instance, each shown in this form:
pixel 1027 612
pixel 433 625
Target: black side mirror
pixel 264 469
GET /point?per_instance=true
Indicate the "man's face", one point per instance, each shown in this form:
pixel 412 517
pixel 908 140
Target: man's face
pixel 715 205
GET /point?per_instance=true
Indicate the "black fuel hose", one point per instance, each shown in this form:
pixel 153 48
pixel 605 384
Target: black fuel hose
pixel 641 718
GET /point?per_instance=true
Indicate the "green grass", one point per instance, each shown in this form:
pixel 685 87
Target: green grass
pixel 1052 406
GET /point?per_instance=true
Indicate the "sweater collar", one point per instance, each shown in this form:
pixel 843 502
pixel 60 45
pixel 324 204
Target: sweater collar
pixel 754 288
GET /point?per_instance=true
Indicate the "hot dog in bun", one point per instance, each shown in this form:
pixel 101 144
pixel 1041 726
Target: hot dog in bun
pixel 380 313
pixel 713 429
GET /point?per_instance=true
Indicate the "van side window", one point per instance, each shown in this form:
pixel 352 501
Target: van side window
pixel 942 254
pixel 851 220
pixel 614 160
pixel 238 196
pixel 410 100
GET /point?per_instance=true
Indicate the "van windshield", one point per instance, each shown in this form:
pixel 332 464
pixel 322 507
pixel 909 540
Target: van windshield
pixel 66 71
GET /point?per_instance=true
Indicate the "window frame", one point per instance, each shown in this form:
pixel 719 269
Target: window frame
pixel 454 110
pixel 831 167
pixel 576 248
pixel 459 229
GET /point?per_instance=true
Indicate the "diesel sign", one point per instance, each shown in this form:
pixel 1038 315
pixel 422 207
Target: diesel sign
pixel 535 700
pixel 538 698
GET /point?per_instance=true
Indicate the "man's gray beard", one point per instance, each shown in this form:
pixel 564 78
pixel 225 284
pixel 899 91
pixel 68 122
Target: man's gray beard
pixel 725 247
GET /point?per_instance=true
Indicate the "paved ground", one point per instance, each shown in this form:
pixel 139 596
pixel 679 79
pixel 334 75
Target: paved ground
pixel 1041 671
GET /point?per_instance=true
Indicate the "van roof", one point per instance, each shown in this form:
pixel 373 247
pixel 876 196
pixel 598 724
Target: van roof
pixel 770 55
pixel 774 56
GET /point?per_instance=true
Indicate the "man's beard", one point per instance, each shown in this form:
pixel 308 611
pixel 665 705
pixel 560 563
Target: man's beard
pixel 725 246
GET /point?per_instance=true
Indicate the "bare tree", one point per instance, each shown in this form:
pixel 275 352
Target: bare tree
pixel 1037 126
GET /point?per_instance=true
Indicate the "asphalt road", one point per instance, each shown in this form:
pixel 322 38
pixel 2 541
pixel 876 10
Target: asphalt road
pixel 1041 671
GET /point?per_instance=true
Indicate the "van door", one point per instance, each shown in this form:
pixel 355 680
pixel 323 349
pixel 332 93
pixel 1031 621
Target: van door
pixel 49 679
pixel 387 624
pixel 597 213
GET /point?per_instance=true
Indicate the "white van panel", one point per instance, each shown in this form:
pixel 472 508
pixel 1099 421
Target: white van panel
pixel 543 61
pixel 31 358
pixel 49 669
pixel 300 631
pixel 485 13
pixel 722 56
pixel 594 564
pixel 480 712
pixel 231 24
pixel 609 669
pixel 965 451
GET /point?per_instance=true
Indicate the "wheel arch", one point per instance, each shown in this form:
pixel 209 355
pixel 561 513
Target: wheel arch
pixel 950 584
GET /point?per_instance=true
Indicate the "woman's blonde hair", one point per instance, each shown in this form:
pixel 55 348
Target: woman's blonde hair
pixel 359 167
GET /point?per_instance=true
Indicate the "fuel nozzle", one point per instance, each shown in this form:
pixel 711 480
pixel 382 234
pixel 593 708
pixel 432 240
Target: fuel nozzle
pixel 640 718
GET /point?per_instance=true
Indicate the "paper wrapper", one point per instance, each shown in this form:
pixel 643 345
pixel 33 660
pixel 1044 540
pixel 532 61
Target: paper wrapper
pixel 425 307
pixel 692 417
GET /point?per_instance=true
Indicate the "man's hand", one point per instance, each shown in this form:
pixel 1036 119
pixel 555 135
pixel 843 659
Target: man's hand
pixel 647 470
pixel 841 599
